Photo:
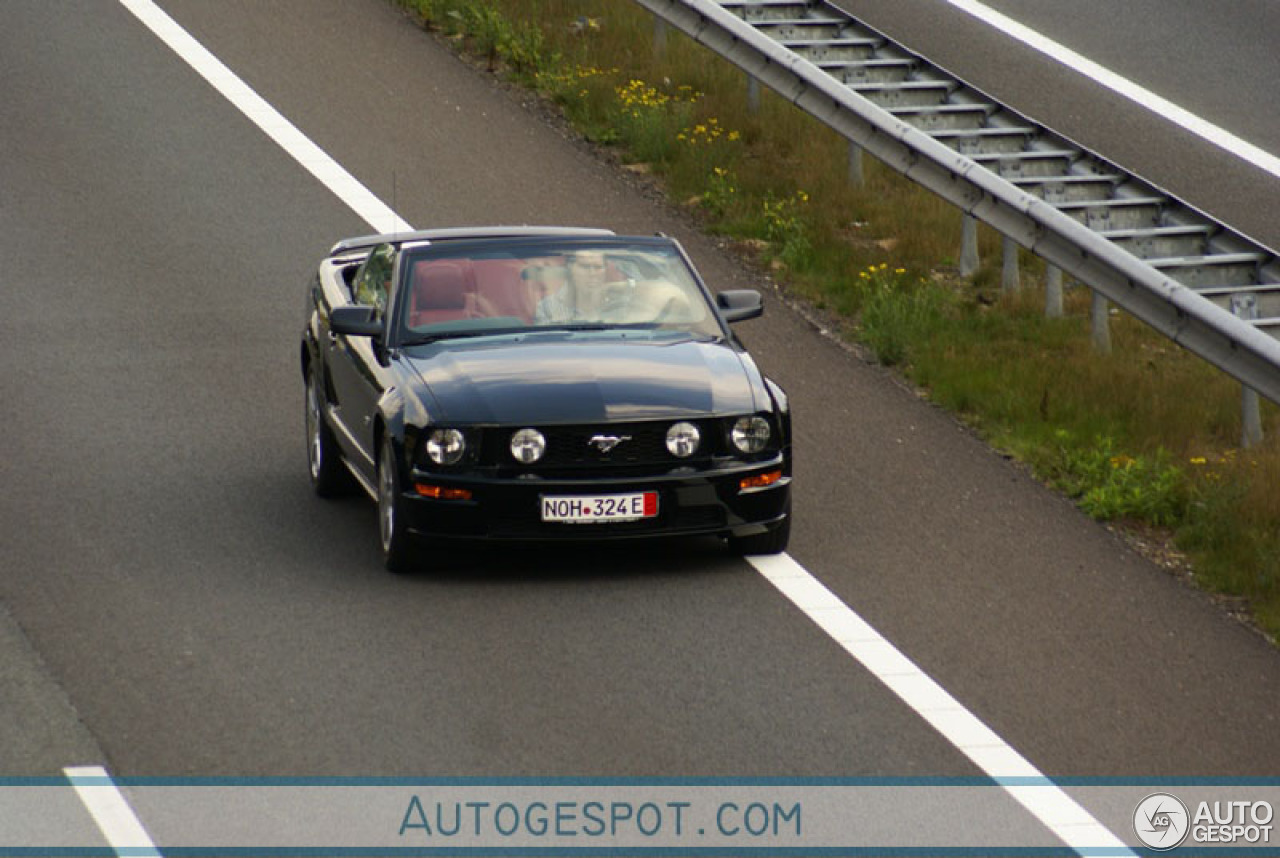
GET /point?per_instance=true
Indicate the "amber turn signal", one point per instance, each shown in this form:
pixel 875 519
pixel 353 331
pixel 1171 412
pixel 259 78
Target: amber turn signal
pixel 441 492
pixel 759 481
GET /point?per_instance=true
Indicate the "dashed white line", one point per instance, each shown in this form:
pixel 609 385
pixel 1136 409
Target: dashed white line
pixel 1054 808
pixel 111 811
pixel 1180 116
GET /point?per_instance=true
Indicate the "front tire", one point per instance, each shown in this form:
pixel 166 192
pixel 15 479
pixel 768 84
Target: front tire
pixel 396 542
pixel 772 542
pixel 329 477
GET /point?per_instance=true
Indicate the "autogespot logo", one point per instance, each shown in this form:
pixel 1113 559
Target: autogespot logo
pixel 1161 821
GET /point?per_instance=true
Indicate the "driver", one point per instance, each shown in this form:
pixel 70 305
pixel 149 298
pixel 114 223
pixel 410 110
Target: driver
pixel 589 296
pixel 585 296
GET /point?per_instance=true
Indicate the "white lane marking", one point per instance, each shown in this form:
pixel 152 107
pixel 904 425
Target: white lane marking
pixel 110 811
pixel 344 186
pixel 1182 117
pixel 1054 808
pixel 1048 803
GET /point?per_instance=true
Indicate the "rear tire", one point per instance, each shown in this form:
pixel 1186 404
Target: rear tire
pixel 773 542
pixel 396 542
pixel 329 477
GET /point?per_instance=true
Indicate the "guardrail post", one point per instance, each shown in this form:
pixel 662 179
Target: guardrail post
pixel 1246 307
pixel 1010 279
pixel 1100 314
pixel 753 95
pixel 855 165
pixel 1052 292
pixel 968 245
pixel 659 36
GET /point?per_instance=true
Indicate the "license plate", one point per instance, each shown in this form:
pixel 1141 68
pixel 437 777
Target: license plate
pixel 592 509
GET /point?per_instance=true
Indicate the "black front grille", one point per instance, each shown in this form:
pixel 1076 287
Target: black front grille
pixel 639 445
pixel 635 445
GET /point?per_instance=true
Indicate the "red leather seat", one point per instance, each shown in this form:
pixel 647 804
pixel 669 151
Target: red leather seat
pixel 440 293
pixel 500 286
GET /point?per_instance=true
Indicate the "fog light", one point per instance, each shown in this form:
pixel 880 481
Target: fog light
pixel 682 440
pixel 527 446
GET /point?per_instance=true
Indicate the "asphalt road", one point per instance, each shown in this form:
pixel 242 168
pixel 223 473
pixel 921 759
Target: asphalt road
pixel 175 601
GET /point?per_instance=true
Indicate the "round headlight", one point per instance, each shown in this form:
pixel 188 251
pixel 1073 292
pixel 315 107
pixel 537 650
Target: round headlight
pixel 527 446
pixel 446 446
pixel 682 440
pixel 750 434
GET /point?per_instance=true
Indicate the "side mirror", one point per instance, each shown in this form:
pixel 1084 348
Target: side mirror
pixel 738 305
pixel 355 321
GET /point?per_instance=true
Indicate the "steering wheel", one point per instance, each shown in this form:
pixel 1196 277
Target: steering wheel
pixel 619 297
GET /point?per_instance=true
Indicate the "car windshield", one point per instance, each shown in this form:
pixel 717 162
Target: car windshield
pixel 480 288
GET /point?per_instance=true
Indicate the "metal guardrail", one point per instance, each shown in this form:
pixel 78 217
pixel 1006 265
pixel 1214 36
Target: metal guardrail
pixel 1158 258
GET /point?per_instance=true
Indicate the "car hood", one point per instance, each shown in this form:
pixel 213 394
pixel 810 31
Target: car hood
pixel 584 380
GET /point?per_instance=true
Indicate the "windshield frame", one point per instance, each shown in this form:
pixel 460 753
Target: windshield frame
pixel 402 333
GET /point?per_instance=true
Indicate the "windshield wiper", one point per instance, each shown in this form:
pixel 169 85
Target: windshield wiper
pixel 599 326
pixel 655 328
pixel 427 339
pixel 578 326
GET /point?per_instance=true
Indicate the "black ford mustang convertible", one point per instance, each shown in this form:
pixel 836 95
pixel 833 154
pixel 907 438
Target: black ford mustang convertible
pixel 540 384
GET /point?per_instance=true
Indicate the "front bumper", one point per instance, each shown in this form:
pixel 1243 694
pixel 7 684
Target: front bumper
pixel 699 502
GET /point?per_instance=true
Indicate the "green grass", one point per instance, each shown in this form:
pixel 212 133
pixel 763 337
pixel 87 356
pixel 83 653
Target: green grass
pixel 1147 435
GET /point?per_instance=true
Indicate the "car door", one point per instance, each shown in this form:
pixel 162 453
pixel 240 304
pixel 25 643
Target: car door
pixel 356 366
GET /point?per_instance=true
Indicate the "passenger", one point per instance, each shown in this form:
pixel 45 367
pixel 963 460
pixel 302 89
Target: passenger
pixel 583 295
pixel 589 296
